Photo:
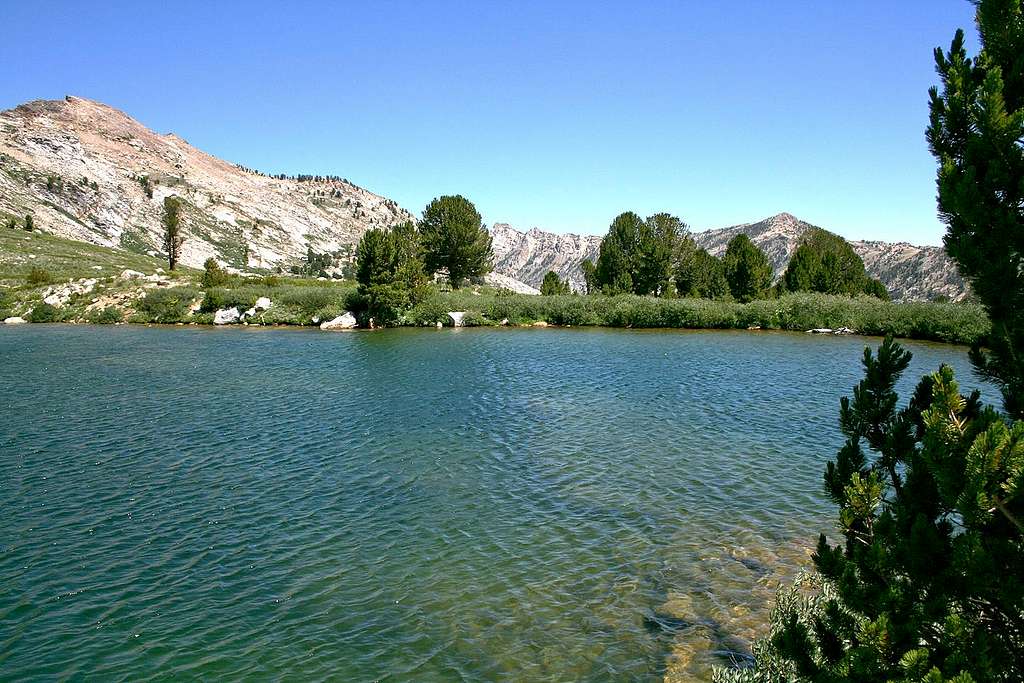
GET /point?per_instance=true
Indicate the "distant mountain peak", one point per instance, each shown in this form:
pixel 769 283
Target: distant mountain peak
pixel 908 272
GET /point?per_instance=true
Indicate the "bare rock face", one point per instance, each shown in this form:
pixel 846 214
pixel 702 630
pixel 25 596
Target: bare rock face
pixel 908 272
pixel 78 167
pixel 528 256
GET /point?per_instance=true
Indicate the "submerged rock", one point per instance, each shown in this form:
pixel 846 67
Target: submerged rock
pixel 345 321
pixel 820 330
pixel 540 323
pixel 457 317
pixel 226 316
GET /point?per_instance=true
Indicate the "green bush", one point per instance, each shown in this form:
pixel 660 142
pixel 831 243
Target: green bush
pixel 166 305
pixel 109 315
pixel 45 313
pixel 38 276
pixel 214 275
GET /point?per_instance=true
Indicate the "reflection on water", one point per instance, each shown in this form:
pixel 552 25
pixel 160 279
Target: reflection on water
pixel 407 505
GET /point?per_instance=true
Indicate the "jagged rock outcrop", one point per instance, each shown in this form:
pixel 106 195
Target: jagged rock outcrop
pixel 76 166
pixel 908 272
pixel 528 256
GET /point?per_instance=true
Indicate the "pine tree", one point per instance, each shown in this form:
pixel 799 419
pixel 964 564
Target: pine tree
pixel 928 585
pixel 975 133
pixel 698 273
pixel 747 269
pixel 173 237
pixel 390 272
pixel 825 262
pixel 455 240
pixel 589 271
pixel 636 254
pixel 554 285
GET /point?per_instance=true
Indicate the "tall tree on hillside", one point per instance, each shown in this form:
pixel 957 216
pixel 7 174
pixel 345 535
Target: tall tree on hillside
pixel 976 133
pixel 636 254
pixel 173 237
pixel 747 269
pixel 455 240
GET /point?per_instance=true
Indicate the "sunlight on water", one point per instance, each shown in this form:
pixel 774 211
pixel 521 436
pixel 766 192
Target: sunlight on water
pixel 407 505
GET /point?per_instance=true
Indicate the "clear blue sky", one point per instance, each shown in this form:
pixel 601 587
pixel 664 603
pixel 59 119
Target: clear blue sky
pixel 551 114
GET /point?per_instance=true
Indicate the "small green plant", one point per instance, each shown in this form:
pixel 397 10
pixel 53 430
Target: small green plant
pixel 44 313
pixel 166 305
pixel 214 275
pixel 38 276
pixel 110 315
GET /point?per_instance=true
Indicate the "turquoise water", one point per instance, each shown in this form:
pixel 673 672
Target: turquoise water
pixel 407 505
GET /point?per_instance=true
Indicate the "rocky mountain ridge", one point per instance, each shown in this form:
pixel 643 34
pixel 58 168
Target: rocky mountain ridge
pixel 909 272
pixel 90 172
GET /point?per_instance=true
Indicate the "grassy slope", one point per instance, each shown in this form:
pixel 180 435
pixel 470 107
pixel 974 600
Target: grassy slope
pixel 301 301
pixel 64 259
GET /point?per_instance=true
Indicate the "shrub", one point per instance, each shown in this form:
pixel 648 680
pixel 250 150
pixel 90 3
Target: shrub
pixel 166 305
pixel 109 315
pixel 44 313
pixel 38 276
pixel 214 275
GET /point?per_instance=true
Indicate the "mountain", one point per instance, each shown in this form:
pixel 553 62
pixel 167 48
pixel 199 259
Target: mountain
pixel 89 172
pixel 908 272
pixel 528 256
pixel 76 166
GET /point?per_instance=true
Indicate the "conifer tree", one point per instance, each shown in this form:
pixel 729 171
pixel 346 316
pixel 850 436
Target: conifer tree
pixel 928 585
pixel 747 269
pixel 698 273
pixel 553 285
pixel 455 240
pixel 590 276
pixel 636 254
pixel 975 133
pixel 390 272
pixel 29 223
pixel 173 237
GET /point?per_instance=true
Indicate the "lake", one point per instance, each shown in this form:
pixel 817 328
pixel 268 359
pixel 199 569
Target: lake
pixel 408 505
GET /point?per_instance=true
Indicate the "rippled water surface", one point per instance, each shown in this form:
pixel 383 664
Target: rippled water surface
pixel 546 505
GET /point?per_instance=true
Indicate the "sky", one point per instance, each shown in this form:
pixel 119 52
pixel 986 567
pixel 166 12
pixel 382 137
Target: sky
pixel 557 115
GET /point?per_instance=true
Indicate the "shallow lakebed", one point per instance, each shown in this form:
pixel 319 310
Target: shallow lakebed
pixel 417 505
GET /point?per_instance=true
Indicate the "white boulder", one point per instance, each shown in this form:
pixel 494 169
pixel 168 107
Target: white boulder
pixel 345 321
pixel 15 320
pixel 226 316
pixel 262 304
pixel 131 274
pixel 457 317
